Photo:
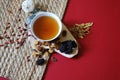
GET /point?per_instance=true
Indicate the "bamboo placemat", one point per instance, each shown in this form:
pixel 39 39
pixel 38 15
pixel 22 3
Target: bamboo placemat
pixel 13 63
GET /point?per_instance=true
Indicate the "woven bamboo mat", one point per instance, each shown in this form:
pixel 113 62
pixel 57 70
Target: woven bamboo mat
pixel 13 62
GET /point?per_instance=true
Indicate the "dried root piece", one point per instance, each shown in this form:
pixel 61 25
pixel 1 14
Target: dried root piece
pixel 81 30
pixel 46 55
pixel 36 54
pixel 50 50
pixel 36 42
pixel 46 43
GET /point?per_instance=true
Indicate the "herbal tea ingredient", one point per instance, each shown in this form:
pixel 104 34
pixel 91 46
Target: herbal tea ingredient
pixel 10 36
pixel 81 30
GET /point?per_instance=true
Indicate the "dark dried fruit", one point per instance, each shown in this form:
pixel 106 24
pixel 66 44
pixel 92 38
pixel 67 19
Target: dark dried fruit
pixel 40 61
pixel 74 44
pixel 64 33
pixel 67 46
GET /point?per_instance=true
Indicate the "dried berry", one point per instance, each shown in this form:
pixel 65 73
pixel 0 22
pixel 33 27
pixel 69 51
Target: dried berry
pixel 24 29
pixel 6 42
pixel 40 61
pixel 20 9
pixel 22 41
pixel 17 47
pixel 1 37
pixel 11 41
pixel 28 58
pixel 13 34
pixel 1 45
pixel 17 39
pixel 64 33
pixel 19 19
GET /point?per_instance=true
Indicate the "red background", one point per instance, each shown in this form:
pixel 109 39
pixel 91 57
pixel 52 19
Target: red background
pixel 99 57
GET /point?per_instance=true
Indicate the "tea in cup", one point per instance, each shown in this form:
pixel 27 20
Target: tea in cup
pixel 46 26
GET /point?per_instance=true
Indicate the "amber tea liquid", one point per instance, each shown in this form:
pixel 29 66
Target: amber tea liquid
pixel 45 27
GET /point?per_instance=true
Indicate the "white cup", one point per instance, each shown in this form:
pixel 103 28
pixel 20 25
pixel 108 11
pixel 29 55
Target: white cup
pixel 41 14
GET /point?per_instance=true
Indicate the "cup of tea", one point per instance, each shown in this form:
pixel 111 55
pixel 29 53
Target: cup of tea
pixel 46 26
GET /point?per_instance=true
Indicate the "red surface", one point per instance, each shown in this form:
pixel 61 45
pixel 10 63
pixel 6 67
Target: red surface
pixel 2 78
pixel 99 57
